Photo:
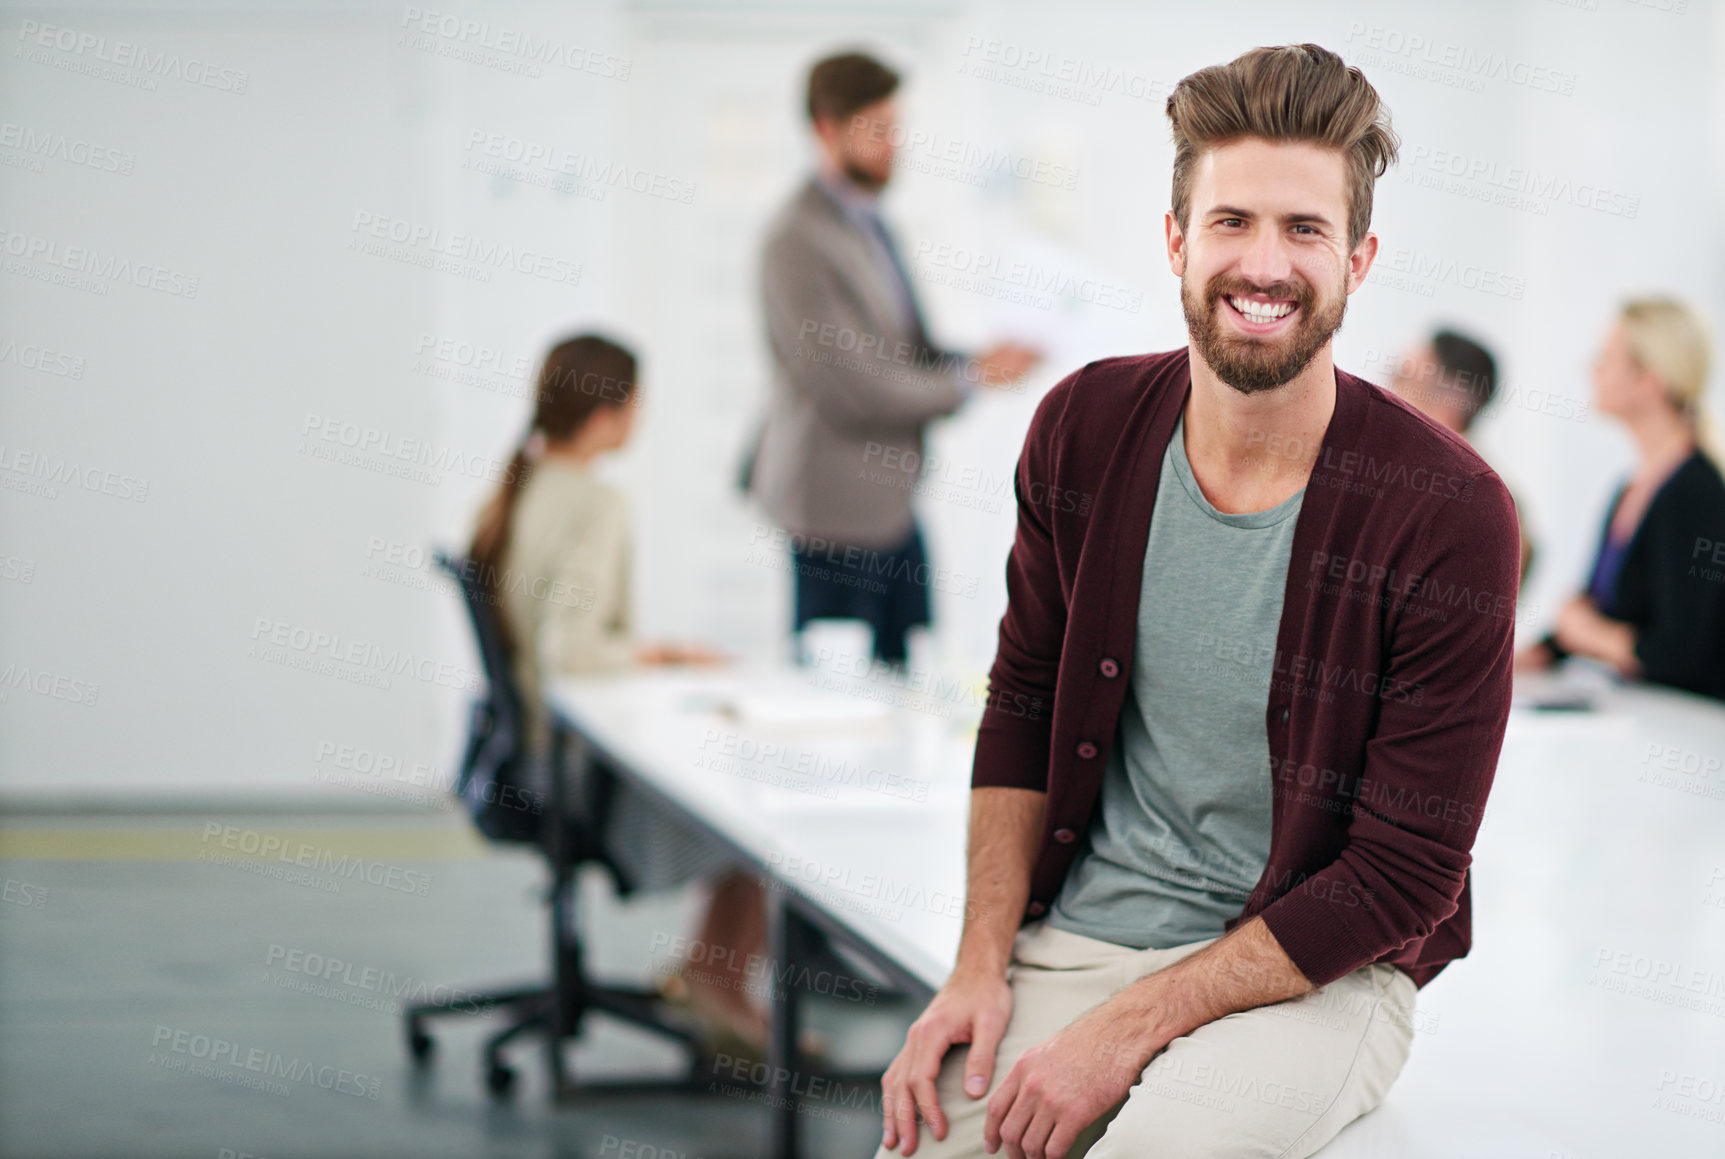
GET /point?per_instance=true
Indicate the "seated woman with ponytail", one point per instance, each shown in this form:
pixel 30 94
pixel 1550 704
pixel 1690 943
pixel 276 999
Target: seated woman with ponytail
pixel 554 544
pixel 1654 607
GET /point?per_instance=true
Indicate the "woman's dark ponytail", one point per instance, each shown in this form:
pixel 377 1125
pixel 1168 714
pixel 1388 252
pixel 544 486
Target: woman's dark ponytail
pixel 492 538
pixel 580 376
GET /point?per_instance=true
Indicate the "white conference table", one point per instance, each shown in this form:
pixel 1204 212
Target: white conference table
pixel 1588 1021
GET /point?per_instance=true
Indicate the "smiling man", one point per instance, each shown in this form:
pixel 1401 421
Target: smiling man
pixel 1248 698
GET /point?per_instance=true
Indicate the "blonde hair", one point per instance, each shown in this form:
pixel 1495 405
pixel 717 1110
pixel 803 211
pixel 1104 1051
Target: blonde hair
pixel 1295 92
pixel 1669 340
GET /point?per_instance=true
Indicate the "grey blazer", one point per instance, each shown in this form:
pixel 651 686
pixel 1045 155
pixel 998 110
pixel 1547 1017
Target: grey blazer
pixel 853 384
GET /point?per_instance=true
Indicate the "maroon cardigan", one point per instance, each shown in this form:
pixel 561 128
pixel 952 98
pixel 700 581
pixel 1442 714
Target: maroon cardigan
pixel 1391 675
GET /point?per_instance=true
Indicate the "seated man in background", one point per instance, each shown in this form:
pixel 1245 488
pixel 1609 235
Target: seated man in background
pixel 1238 740
pixel 1450 379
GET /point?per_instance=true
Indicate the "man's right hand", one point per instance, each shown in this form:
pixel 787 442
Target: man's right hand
pixel 1006 363
pixel 970 1008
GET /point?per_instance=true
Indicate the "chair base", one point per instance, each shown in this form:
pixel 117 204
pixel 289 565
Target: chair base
pixel 532 1010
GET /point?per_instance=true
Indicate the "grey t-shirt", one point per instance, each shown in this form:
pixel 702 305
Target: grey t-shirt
pixel 1182 830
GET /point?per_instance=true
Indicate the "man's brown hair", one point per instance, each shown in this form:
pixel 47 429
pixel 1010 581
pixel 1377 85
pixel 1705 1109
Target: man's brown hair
pixel 840 85
pixel 1295 92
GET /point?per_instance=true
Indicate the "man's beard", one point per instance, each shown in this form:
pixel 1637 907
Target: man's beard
pixel 1248 364
pixel 861 177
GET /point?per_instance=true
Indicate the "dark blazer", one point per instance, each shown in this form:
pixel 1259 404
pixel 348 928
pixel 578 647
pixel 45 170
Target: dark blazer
pixel 1391 682
pixel 1671 586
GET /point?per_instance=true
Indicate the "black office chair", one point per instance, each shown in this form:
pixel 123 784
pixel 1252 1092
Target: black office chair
pixel 495 788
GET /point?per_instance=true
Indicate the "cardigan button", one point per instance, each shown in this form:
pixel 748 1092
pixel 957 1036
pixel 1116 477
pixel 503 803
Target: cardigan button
pixel 1284 716
pixel 1065 836
pixel 1035 909
pixel 1086 750
pixel 1109 669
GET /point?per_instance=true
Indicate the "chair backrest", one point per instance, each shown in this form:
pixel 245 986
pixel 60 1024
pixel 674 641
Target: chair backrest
pixel 494 763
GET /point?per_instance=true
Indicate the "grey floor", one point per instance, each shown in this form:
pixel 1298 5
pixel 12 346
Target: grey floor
pixel 126 965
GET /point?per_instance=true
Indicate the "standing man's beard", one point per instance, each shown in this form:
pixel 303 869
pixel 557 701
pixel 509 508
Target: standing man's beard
pixel 861 177
pixel 1250 365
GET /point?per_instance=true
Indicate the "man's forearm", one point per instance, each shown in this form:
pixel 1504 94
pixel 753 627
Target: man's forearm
pixel 1245 969
pixel 1005 826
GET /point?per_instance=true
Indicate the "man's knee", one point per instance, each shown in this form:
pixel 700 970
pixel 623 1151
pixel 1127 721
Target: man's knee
pixel 1178 1115
pixel 1172 1131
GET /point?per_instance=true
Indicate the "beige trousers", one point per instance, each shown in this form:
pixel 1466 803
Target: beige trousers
pixel 1277 1081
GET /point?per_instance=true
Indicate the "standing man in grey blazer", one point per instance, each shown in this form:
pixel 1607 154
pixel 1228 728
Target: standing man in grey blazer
pixel 856 377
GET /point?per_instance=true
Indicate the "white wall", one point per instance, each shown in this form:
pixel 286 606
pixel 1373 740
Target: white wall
pixel 158 603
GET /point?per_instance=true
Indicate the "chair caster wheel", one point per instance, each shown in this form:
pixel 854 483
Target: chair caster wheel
pixel 499 1080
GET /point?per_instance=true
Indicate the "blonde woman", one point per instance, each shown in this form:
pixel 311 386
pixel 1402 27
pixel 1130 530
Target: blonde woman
pixel 1654 606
